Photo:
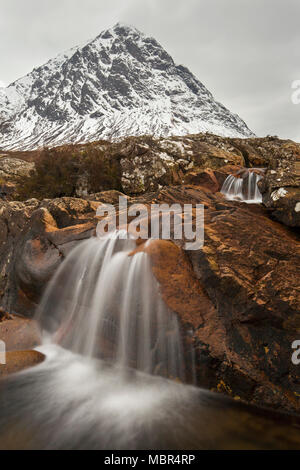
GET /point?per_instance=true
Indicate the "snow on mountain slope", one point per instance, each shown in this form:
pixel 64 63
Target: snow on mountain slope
pixel 121 83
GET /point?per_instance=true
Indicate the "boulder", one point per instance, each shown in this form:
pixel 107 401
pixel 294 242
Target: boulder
pixel 11 170
pixel 19 333
pixel 187 297
pixel 142 164
pixel 281 187
pixel 107 197
pixel 222 173
pixel 34 238
pixel 285 205
pixel 205 178
pixel 16 361
pixel 247 298
pixel 237 298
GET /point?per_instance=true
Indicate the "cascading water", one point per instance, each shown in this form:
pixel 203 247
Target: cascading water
pixel 243 186
pixel 102 302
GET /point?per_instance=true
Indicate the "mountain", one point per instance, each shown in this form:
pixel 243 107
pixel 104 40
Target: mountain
pixel 121 83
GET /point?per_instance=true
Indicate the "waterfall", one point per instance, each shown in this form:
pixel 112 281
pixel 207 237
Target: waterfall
pixel 103 302
pixel 243 186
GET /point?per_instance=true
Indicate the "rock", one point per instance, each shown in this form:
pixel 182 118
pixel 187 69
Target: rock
pixel 285 205
pixel 186 296
pixel 148 164
pixel 7 190
pixel 209 156
pixel 281 187
pixel 222 173
pixel 252 155
pixel 34 238
pixel 237 298
pixel 260 152
pixel 247 273
pixel 17 361
pixel 4 315
pixel 107 197
pixel 204 178
pixel 166 161
pixel 67 211
pixel 11 170
pixel 143 164
pixel 19 333
pixel 147 172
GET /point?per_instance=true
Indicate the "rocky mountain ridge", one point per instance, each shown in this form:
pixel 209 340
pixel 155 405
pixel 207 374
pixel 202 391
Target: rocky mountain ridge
pixel 121 83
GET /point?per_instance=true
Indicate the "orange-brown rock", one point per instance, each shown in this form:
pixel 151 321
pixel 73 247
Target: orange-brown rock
pixel 19 333
pixel 34 238
pixel 281 186
pixel 185 295
pixel 248 271
pixel 222 173
pixel 17 361
pixel 142 164
pixel 238 297
pixel 204 178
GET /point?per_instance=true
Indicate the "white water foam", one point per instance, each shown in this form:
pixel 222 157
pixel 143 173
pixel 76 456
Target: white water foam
pixel 102 295
pixel 243 187
pixel 103 302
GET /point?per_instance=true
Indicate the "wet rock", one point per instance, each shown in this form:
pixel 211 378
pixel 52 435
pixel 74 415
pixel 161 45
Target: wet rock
pixel 249 277
pixel 281 186
pixel 237 298
pixel 19 333
pixel 222 173
pixel 34 238
pixel 16 361
pixel 204 178
pixel 187 297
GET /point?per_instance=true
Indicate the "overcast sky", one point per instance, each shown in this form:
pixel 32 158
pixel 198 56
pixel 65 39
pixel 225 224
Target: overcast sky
pixel 246 52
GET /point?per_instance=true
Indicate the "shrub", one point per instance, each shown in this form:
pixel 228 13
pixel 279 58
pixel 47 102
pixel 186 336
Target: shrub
pixel 102 170
pixel 55 175
pixel 59 170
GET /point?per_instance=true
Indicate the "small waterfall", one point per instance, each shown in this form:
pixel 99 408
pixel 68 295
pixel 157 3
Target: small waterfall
pixel 243 186
pixel 103 302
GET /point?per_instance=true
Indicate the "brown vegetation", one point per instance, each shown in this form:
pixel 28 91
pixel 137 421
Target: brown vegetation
pixel 58 172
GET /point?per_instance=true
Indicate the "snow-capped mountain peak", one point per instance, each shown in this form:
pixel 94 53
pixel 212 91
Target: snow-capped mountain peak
pixel 120 83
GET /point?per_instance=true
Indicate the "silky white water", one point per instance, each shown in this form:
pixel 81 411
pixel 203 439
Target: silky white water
pixel 105 303
pixel 243 187
pixel 76 402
